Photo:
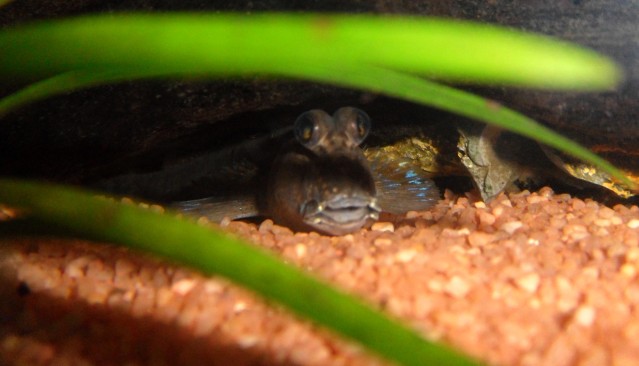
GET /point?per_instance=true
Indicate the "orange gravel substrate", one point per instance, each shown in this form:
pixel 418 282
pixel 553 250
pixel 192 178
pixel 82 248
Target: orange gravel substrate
pixel 529 279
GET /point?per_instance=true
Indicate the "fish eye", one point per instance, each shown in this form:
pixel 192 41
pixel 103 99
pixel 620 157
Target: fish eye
pixel 307 128
pixel 354 122
pixel 307 132
pixel 359 124
pixel 363 124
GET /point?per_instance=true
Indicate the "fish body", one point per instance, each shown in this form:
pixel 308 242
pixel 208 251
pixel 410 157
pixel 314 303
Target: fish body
pixel 313 176
pixel 322 180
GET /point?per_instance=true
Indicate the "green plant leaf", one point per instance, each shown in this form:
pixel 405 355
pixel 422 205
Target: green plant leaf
pixel 236 43
pixel 440 96
pixel 214 252
pixel 389 82
pixel 343 50
pixel 66 82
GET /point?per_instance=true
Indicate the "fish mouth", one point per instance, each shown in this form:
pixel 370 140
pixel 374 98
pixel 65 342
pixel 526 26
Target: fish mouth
pixel 341 214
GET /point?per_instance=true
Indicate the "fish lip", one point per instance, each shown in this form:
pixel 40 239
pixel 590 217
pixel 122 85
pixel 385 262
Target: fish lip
pixel 341 214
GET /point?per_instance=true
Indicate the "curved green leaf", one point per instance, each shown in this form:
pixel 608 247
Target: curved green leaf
pixel 365 77
pixel 215 252
pixel 237 43
pixel 343 50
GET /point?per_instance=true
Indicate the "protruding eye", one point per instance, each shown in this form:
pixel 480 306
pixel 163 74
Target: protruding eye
pixel 308 128
pixel 363 125
pixel 354 122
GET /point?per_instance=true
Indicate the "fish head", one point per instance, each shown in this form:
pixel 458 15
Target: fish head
pixel 324 182
pixel 339 197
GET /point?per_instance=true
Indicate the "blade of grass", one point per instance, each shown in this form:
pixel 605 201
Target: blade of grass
pixel 365 77
pixel 66 82
pixel 214 43
pixel 214 252
pixel 304 47
pixel 440 96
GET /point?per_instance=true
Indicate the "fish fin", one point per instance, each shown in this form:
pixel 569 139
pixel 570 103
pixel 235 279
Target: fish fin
pixel 217 208
pixel 400 185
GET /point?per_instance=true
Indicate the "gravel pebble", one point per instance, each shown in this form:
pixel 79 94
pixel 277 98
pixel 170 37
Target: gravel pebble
pixel 633 224
pixel 383 226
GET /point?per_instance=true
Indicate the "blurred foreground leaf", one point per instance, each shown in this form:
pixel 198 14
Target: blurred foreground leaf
pixel 215 252
pixel 227 43
pixel 356 51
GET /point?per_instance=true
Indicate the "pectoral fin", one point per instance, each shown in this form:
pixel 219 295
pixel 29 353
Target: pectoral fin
pixel 400 185
pixel 217 208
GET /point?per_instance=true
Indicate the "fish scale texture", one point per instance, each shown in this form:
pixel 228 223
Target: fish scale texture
pixel 528 279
